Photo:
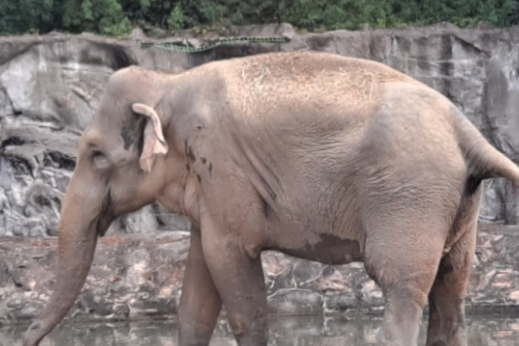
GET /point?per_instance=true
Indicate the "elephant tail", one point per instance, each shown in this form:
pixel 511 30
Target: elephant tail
pixel 485 161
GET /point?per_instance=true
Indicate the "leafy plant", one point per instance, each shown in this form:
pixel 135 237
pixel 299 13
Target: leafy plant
pixel 176 19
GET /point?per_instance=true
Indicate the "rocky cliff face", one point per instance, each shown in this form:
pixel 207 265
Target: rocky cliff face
pixel 50 88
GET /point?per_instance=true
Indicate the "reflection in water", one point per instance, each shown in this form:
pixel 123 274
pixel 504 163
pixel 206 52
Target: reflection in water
pixel 286 331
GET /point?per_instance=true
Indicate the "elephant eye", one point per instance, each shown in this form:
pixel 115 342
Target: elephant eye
pixel 99 159
pixel 96 153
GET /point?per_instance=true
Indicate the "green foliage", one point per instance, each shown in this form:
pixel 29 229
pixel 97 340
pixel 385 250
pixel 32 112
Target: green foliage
pixel 100 16
pixel 334 15
pixel 26 16
pixel 176 18
pixel 115 17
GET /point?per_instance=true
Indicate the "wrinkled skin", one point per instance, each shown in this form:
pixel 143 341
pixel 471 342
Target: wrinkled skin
pixel 322 157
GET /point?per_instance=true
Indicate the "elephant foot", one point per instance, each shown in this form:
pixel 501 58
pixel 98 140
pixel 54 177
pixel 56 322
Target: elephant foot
pixel 446 316
pixel 401 323
pixel 455 338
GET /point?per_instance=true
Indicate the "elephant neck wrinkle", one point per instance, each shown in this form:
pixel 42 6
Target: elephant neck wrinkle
pixel 191 205
pixel 179 196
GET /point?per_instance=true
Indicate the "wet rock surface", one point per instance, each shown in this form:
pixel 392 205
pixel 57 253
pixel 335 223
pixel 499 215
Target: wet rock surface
pixel 140 276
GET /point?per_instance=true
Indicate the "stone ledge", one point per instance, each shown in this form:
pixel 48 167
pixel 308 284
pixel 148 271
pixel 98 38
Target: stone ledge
pixel 139 276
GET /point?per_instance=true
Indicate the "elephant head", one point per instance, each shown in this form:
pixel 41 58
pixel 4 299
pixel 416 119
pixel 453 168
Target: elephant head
pixel 120 167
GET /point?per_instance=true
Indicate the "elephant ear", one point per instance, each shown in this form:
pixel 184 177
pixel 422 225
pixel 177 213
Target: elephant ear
pixel 154 142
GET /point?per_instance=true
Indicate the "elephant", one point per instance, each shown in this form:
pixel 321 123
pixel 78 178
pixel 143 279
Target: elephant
pixel 319 156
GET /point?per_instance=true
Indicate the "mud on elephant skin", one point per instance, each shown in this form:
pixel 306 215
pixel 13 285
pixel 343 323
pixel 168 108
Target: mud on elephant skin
pixel 319 156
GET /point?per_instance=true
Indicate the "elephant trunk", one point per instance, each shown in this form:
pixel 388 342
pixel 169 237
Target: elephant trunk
pixel 80 225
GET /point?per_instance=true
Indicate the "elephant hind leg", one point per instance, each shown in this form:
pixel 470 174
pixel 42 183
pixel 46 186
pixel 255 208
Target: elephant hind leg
pixel 446 299
pixel 446 303
pixel 404 265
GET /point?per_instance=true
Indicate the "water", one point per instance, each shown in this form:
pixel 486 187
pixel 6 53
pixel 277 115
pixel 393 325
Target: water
pixel 286 331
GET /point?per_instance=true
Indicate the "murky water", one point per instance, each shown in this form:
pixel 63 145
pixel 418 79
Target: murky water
pixel 289 331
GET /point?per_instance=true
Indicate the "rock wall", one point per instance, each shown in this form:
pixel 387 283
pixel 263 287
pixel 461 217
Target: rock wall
pixel 139 276
pixel 49 90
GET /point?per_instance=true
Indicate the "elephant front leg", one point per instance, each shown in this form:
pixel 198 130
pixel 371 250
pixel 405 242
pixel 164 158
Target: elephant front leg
pixel 200 303
pixel 240 283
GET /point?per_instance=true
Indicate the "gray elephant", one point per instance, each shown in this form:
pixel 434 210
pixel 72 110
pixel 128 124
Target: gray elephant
pixel 321 157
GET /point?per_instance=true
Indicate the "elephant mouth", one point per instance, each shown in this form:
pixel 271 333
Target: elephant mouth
pixel 106 216
pixel 103 223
